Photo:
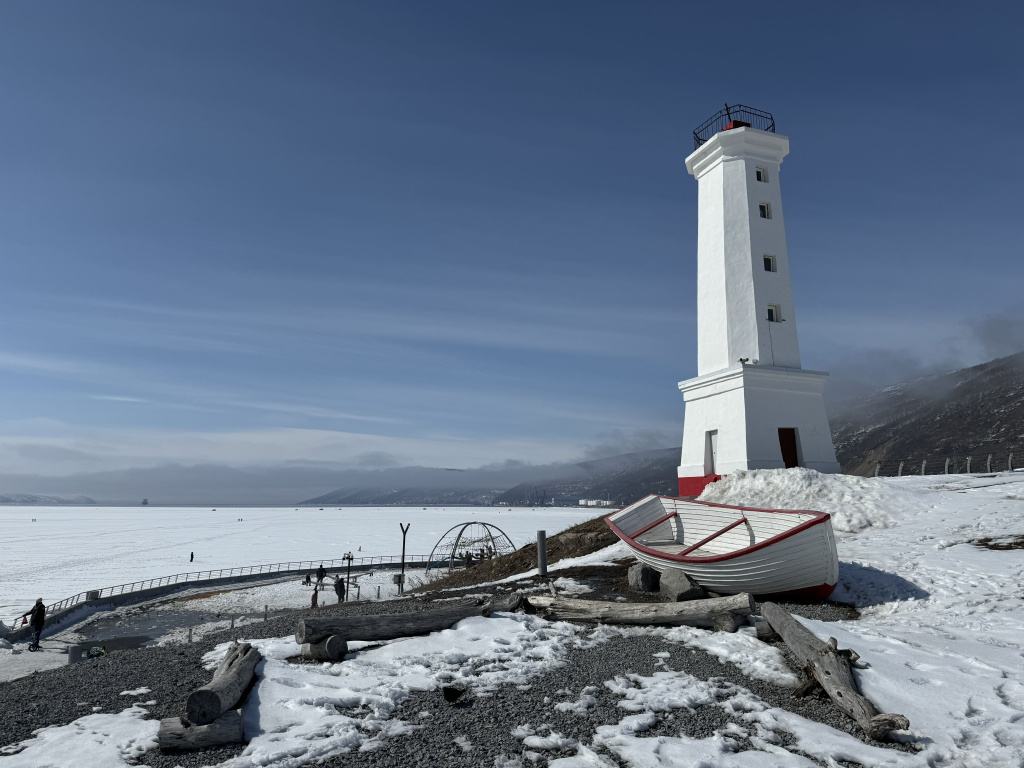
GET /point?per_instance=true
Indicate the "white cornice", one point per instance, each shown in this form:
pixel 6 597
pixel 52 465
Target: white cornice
pixel 738 142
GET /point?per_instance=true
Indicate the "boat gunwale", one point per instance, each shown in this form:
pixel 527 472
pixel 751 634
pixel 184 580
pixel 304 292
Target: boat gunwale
pixel 817 519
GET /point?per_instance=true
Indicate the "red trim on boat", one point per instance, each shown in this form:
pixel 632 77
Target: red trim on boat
pixel 714 535
pixel 818 519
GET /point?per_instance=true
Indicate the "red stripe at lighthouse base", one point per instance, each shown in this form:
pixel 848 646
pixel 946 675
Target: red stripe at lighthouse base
pixel 694 486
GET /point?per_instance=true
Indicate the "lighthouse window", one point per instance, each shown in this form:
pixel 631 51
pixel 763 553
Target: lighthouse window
pixel 765 210
pixel 769 263
pixel 762 174
pixel 773 314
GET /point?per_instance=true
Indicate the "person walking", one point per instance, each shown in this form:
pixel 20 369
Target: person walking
pixel 339 588
pixel 37 620
pixel 314 600
pixel 191 556
pixel 321 572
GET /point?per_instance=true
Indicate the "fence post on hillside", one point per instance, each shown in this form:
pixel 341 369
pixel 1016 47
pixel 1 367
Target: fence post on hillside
pixel 968 465
pixel 878 466
pixel 923 464
pixel 946 470
pixel 1009 462
pixel 266 612
pixel 542 553
pixel 988 464
pixel 899 472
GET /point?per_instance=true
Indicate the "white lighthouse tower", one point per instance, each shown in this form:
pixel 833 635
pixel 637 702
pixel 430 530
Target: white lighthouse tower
pixel 751 405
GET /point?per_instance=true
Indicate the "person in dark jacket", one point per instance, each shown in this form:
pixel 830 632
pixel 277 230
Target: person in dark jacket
pixel 339 589
pixel 321 572
pixel 37 620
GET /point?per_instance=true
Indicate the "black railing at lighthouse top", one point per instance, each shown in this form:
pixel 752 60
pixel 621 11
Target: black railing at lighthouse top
pixel 737 116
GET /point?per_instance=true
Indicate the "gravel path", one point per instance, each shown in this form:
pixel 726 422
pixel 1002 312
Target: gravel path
pixel 62 695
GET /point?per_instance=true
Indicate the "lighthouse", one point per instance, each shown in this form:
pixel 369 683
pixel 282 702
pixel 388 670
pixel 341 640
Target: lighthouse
pixel 751 405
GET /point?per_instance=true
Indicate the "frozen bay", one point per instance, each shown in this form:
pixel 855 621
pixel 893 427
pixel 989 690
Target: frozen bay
pixel 72 549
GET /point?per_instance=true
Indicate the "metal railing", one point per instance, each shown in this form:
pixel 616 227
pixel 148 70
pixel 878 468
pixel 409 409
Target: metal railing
pixel 747 116
pixel 967 464
pixel 358 563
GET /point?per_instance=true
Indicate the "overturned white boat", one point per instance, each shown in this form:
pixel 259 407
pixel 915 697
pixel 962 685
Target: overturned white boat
pixel 729 549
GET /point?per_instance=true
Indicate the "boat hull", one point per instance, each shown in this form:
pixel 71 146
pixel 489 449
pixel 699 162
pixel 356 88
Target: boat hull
pixel 779 553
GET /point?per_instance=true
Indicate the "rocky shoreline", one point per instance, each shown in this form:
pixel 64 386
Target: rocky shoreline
pixel 477 731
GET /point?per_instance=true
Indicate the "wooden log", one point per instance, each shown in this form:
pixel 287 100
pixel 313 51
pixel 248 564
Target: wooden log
pixel 719 613
pixel 232 678
pixel 831 667
pixel 176 735
pixel 331 649
pixel 314 629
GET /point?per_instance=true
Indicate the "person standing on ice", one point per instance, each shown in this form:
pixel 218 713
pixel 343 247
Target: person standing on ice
pixel 313 601
pixel 339 588
pixel 37 621
pixel 321 572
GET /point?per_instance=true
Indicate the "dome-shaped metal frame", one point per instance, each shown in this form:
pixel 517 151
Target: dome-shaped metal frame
pixel 463 538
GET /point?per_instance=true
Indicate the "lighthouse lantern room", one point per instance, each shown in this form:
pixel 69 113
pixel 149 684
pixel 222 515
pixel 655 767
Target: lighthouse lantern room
pixel 751 405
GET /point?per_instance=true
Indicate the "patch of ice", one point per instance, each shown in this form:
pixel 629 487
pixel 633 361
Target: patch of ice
pixel 136 692
pixel 553 742
pixel 571 587
pixel 464 743
pixel 93 741
pixel 742 648
pixel 582 705
pixel 854 503
pixel 585 757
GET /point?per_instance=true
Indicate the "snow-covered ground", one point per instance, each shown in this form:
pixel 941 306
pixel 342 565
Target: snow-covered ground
pixel 67 550
pixel 941 634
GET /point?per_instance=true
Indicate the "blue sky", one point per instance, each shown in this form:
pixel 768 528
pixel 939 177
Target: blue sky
pixel 450 234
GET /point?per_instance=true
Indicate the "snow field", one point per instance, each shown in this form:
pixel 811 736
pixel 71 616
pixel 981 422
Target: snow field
pixel 75 549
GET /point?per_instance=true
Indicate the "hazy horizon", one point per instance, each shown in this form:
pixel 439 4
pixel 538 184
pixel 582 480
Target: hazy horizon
pixel 273 245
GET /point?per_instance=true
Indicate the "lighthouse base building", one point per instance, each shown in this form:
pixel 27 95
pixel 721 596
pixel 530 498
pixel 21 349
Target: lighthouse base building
pixel 751 405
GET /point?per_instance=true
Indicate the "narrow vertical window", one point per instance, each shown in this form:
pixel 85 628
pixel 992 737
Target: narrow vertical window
pixel 769 263
pixel 773 314
pixel 765 210
pixel 762 174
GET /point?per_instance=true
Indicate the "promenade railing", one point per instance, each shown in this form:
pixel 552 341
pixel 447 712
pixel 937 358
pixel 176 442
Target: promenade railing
pixel 335 564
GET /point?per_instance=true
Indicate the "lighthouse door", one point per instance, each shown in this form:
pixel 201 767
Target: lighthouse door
pixel 787 442
pixel 710 451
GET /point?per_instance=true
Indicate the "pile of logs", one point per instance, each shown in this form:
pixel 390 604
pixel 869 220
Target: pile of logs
pixel 325 638
pixel 211 715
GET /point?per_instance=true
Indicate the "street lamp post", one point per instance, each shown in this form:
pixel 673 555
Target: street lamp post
pixel 348 575
pixel 405 530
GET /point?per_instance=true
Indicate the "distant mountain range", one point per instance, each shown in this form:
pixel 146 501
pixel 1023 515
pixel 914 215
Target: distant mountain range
pixel 620 479
pixel 28 499
pixel 973 411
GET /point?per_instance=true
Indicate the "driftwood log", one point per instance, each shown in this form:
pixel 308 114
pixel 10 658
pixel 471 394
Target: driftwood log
pixel 831 668
pixel 330 649
pixel 230 681
pixel 314 629
pixel 723 613
pixel 176 735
